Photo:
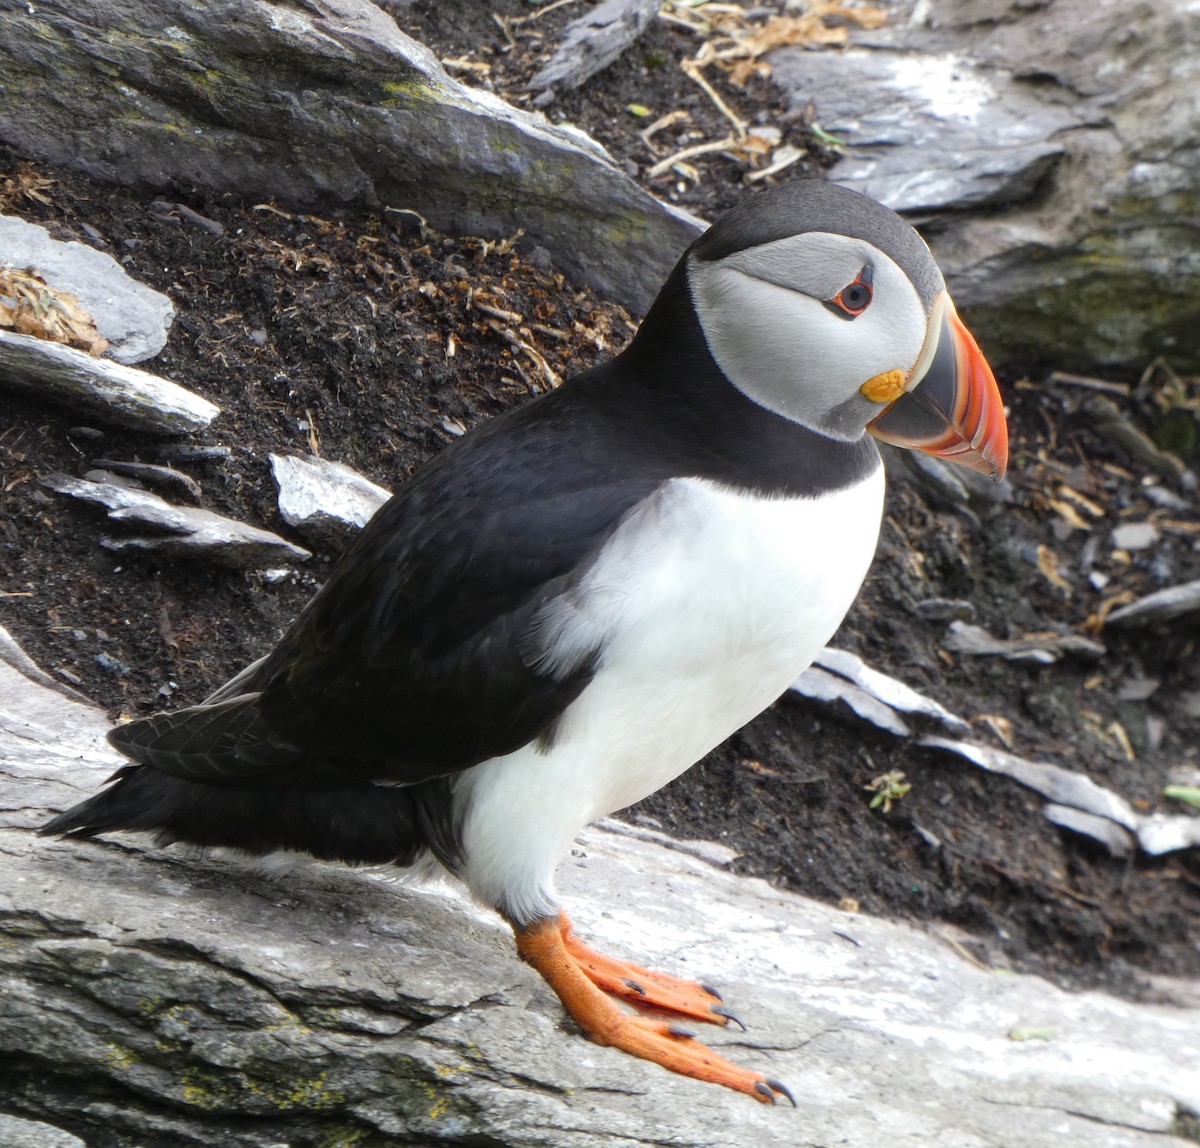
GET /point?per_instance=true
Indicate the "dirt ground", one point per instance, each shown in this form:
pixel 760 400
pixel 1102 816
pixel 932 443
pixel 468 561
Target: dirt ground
pixel 345 333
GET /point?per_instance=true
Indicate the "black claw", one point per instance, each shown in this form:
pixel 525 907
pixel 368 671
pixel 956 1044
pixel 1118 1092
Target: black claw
pixel 711 991
pixel 784 1090
pixel 681 1032
pixel 721 1010
pixel 634 987
pixel 764 1091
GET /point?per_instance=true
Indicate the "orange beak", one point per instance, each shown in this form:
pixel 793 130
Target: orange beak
pixel 952 406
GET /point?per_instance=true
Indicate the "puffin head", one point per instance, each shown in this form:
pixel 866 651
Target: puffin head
pixel 826 308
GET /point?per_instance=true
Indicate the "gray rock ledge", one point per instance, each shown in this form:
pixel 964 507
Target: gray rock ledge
pixel 112 392
pixel 168 998
pixel 1051 147
pixel 313 101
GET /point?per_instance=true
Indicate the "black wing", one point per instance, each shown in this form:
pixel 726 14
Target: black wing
pixel 418 657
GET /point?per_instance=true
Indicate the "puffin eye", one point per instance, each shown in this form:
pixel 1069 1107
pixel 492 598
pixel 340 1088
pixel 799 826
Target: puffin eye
pixel 855 298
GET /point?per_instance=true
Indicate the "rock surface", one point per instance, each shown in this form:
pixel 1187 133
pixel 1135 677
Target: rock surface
pixel 318 100
pixel 594 40
pixel 160 998
pixel 1166 605
pixel 1045 147
pixel 328 502
pixel 18 1133
pixel 133 318
pixel 1073 793
pixel 112 392
pixel 1054 151
pixel 182 531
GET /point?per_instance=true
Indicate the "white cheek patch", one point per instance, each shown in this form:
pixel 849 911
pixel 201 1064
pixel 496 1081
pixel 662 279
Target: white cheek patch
pixel 766 338
pixel 764 317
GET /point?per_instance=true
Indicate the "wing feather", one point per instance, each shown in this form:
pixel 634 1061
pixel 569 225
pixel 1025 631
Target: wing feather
pixel 427 651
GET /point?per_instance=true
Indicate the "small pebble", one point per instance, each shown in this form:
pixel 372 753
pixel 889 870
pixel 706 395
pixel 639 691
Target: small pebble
pixel 105 662
pixel 94 238
pixel 945 610
pixel 1134 536
pixel 646 821
pixel 162 476
pixel 1156 729
pixel 1089 553
pixel 101 475
pixel 1137 689
pixel 1165 498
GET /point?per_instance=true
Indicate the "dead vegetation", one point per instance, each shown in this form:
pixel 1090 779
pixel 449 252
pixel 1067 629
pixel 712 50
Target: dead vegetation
pixel 30 306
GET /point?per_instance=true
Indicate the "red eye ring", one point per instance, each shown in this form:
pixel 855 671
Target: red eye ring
pixel 853 299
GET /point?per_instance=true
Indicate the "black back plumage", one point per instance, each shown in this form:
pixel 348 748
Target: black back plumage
pixel 414 660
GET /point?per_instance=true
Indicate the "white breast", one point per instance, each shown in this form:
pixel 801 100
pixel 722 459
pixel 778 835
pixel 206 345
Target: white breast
pixel 706 604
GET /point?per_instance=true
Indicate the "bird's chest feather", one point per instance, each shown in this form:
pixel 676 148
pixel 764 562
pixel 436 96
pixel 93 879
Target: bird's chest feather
pixel 700 610
pixel 705 605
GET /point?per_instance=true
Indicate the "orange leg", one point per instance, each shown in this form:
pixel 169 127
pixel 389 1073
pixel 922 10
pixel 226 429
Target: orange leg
pixel 559 957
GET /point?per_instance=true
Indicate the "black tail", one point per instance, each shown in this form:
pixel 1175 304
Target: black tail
pixel 359 823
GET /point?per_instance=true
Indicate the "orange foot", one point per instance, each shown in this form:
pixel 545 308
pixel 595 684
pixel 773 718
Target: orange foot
pixel 581 977
pixel 643 987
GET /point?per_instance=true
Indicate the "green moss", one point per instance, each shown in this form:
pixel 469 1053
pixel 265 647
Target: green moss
pixel 1113 300
pixel 1099 313
pixel 313 1094
pixel 203 1089
pixel 343 1136
pixel 176 1013
pixel 403 93
pixel 120 1058
pixel 238 1092
pixel 447 1070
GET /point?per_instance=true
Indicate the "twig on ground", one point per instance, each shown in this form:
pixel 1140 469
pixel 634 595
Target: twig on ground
pixel 665 165
pixel 539 361
pixel 661 124
pixel 692 69
pixel 1088 383
pixel 516 20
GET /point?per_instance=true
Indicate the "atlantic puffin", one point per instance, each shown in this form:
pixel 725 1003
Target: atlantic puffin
pixel 572 604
